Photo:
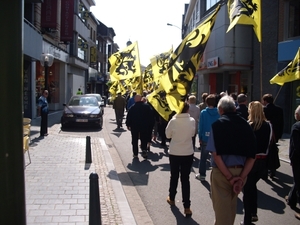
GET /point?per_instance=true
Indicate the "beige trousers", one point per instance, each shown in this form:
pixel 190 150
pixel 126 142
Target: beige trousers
pixel 224 200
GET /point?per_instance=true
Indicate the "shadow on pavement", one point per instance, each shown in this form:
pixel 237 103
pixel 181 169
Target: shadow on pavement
pixel 181 219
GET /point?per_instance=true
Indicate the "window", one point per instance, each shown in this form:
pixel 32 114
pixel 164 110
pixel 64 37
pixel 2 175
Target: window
pixel 82 48
pixel 210 3
pixel 294 19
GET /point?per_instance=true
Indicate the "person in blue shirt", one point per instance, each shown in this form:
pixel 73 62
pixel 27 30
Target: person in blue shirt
pixel 207 117
pixel 43 113
pixel 131 100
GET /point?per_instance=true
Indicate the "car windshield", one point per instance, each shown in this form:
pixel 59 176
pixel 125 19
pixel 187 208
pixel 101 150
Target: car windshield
pixel 98 96
pixel 83 101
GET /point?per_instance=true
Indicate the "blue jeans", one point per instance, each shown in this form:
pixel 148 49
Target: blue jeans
pixel 203 158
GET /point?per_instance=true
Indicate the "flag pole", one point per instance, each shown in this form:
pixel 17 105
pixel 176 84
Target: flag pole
pixel 260 56
pixel 277 94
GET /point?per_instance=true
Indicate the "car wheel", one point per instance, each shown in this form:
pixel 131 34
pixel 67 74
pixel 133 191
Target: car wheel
pixel 101 122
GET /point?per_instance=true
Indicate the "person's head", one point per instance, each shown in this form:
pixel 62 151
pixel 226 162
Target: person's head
pixel 267 99
pixel 192 99
pixel 297 113
pixel 210 100
pixel 256 114
pixel 45 93
pixel 226 104
pixel 222 94
pixel 186 108
pixel 242 99
pixel 79 89
pixel 133 93
pixel 119 93
pixel 204 96
pixel 137 98
pixel 234 96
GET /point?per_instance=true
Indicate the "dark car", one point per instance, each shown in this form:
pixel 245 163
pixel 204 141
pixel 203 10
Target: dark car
pixel 82 110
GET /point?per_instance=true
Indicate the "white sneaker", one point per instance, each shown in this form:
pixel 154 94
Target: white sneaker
pixel 199 177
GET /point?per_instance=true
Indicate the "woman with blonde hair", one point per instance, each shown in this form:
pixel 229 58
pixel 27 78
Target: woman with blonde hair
pixel 263 132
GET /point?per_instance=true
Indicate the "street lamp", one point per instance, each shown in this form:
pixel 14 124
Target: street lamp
pixel 172 25
pixel 46 61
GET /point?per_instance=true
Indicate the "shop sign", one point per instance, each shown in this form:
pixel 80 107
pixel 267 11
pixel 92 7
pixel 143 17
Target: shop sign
pixel 67 13
pixel 49 14
pixel 212 62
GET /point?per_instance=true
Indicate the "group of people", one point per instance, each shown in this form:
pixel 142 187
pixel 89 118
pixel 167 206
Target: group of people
pixel 239 137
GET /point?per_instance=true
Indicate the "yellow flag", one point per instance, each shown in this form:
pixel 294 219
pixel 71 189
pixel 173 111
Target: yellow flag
pixel 115 88
pixel 290 73
pixel 184 62
pixel 247 13
pixel 125 64
pixel 160 64
pixel 159 102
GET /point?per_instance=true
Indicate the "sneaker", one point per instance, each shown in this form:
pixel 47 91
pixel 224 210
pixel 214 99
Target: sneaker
pixel 188 212
pixel 254 218
pixel 200 177
pixel 171 202
pixel 144 154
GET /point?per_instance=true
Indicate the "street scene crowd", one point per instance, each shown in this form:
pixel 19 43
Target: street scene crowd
pixel 239 139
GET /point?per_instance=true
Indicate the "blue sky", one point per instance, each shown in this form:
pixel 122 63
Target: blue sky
pixel 144 22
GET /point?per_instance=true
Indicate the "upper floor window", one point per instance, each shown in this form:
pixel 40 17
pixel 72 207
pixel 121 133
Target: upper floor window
pixel 210 3
pixel 294 18
pixel 82 48
pixel 83 13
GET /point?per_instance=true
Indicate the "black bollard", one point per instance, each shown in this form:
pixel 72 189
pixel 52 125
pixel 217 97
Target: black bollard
pixel 88 152
pixel 95 211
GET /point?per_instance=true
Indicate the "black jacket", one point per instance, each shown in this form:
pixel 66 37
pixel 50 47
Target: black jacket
pixel 294 151
pixel 234 136
pixel 274 114
pixel 140 117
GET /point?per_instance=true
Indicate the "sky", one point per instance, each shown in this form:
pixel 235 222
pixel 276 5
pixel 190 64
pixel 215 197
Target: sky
pixel 144 22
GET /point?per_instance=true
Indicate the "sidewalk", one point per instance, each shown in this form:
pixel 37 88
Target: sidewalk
pixel 57 180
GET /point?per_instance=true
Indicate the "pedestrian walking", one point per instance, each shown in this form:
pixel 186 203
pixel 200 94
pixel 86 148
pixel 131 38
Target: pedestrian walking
pixel 43 113
pixel 274 114
pixel 140 122
pixel 181 154
pixel 233 146
pixel 242 106
pixel 293 197
pixel 79 92
pixel 207 117
pixel 202 105
pixel 263 133
pixel 194 112
pixel 119 106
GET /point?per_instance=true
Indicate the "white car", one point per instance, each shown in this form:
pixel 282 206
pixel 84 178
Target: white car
pixel 99 99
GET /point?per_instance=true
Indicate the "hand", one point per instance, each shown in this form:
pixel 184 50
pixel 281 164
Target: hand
pixel 238 186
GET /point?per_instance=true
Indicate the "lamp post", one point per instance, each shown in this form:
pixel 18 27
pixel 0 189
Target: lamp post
pixel 46 61
pixel 172 25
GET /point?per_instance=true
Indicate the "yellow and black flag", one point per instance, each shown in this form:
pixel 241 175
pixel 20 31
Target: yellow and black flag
pixel 115 88
pixel 184 62
pixel 160 64
pixel 290 73
pixel 125 64
pixel 245 12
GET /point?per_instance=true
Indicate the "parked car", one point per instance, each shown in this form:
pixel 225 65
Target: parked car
pixel 82 110
pixel 100 100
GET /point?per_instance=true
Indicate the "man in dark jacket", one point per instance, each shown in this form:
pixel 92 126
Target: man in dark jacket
pixel 119 106
pixel 242 106
pixel 140 121
pixel 274 114
pixel 294 153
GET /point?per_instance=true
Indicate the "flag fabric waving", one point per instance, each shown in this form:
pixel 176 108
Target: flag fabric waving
pixel 290 73
pixel 184 62
pixel 125 64
pixel 247 13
